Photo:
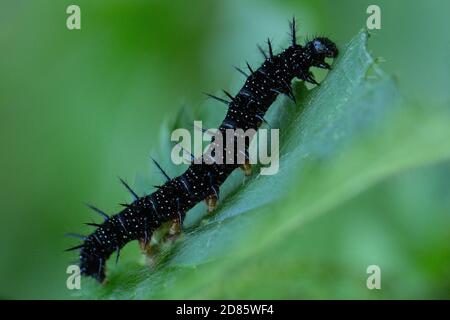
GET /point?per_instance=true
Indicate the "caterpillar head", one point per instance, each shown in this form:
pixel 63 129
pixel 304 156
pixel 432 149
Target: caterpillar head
pixel 313 54
pixel 322 47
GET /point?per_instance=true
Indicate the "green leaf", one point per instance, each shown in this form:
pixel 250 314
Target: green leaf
pixel 339 143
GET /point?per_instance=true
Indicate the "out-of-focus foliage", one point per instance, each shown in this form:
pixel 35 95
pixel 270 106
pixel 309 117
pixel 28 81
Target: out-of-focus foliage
pixel 78 108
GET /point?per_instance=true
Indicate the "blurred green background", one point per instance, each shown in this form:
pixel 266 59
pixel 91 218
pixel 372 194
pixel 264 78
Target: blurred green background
pixel 78 108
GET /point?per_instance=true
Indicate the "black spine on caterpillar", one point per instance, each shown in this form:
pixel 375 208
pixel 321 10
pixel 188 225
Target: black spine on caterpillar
pixel 246 110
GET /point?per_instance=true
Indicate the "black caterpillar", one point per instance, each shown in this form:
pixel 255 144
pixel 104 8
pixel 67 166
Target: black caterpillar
pixel 171 201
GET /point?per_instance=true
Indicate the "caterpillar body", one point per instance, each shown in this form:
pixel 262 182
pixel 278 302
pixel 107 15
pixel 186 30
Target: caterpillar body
pixel 201 181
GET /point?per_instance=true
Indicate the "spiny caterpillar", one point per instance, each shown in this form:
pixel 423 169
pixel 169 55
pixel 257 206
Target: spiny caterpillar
pixel 170 202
